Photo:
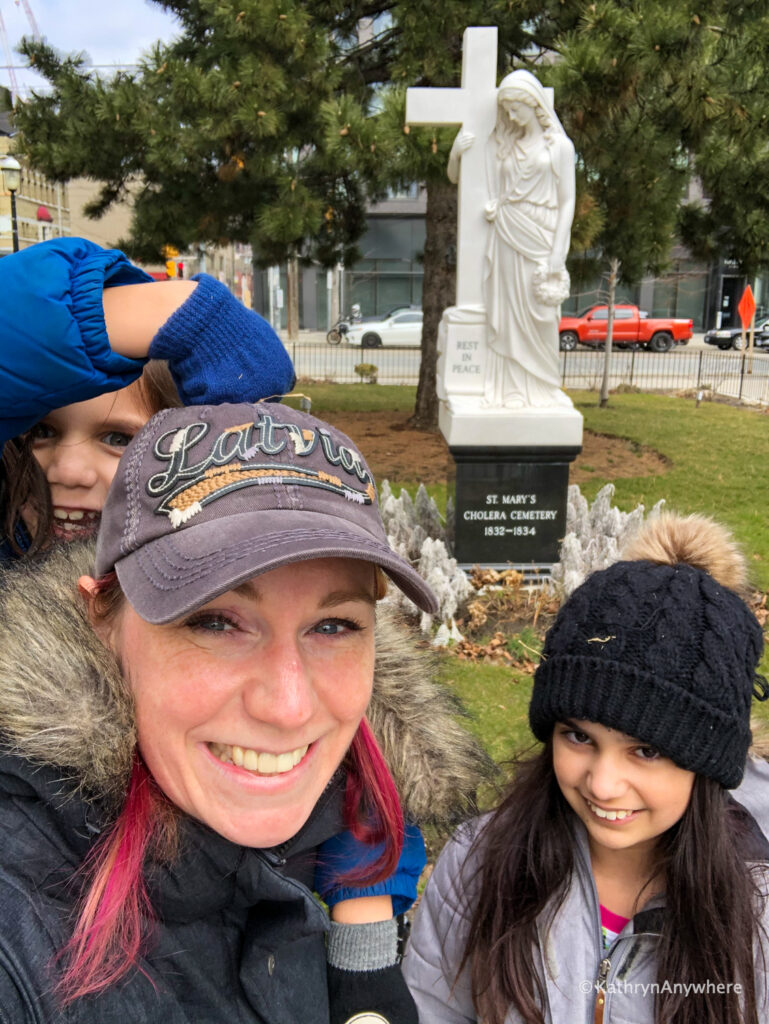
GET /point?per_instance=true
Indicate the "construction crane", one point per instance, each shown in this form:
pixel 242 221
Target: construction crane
pixel 7 49
pixel 9 61
pixel 30 18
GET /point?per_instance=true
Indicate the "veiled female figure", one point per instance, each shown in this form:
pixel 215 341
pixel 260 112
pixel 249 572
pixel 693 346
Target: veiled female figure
pixel 530 170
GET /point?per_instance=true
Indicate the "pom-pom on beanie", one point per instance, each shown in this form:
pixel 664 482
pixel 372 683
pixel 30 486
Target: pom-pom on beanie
pixel 661 651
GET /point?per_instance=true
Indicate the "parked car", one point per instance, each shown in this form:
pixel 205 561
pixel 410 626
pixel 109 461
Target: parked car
pixel 632 329
pixel 731 337
pixel 400 328
pixel 391 312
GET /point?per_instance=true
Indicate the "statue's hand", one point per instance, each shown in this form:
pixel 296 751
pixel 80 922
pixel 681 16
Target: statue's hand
pixel 490 210
pixel 556 264
pixel 464 140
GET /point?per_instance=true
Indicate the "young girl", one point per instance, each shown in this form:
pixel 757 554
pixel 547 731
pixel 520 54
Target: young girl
pixel 77 323
pixel 75 328
pixel 76 450
pixel 619 881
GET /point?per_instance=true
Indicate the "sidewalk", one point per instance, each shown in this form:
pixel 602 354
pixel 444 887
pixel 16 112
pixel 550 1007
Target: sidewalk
pixel 306 338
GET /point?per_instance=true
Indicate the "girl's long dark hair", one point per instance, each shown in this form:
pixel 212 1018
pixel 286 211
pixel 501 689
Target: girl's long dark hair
pixel 23 486
pixel 712 903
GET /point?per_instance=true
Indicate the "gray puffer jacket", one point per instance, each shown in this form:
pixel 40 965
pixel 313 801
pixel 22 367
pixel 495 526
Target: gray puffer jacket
pixel 572 959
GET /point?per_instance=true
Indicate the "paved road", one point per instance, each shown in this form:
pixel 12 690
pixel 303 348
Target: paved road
pixel 319 338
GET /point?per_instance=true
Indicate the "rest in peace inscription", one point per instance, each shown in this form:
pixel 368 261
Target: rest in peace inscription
pixel 463 369
pixel 519 520
pixel 467 356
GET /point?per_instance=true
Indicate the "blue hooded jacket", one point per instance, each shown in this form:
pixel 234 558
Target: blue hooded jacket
pixel 54 348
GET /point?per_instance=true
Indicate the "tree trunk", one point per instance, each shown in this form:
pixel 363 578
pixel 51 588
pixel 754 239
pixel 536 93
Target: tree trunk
pixel 292 298
pixel 438 291
pixel 613 274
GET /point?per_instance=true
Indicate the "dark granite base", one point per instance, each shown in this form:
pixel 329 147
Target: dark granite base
pixel 511 506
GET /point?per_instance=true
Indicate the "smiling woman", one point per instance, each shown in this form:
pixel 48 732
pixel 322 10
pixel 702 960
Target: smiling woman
pixel 246 707
pixel 177 745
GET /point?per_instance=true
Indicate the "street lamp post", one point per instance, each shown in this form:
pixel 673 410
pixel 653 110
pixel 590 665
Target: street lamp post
pixel 11 171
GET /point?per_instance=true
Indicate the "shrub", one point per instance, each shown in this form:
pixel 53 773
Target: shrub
pixel 367 372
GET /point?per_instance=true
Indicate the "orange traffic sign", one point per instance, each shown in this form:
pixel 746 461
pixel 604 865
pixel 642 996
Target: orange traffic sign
pixel 747 307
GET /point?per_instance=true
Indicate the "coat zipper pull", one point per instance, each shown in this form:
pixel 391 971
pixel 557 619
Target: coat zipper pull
pixel 600 997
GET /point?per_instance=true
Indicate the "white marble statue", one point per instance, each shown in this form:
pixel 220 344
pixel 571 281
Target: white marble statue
pixel 531 189
pixel 497 373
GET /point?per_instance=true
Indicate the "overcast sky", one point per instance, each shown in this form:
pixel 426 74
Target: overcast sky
pixel 109 31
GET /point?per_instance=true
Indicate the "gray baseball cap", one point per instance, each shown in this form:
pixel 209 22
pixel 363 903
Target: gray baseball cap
pixel 208 496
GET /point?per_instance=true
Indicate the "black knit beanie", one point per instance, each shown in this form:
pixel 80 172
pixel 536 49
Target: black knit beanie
pixel 662 653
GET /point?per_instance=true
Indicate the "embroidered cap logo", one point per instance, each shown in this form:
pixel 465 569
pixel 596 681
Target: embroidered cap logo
pixel 246 455
pixel 292 488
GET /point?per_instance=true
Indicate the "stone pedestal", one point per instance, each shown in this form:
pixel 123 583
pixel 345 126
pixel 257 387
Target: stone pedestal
pixel 512 464
pixel 511 506
pixel 465 424
pixel 462 417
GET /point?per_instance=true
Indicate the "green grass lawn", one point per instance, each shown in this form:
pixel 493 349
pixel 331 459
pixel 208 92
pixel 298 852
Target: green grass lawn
pixel 719 457
pixel 718 454
pixel 497 700
pixel 718 464
pixel 328 398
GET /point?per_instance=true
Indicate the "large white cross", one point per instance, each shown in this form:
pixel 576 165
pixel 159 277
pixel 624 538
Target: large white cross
pixel 474 107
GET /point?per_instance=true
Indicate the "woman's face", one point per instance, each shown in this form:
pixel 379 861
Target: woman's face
pixel 518 111
pixel 246 707
pixel 623 790
pixel 78 448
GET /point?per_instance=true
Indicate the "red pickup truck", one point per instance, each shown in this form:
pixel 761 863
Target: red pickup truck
pixel 632 329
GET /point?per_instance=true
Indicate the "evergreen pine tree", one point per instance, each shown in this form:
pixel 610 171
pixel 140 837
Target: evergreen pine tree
pixel 218 135
pixel 273 121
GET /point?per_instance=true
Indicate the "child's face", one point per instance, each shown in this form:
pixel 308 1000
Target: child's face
pixel 624 792
pixel 78 448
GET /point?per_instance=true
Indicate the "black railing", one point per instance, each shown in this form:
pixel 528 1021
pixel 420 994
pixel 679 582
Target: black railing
pixel 732 374
pixel 337 363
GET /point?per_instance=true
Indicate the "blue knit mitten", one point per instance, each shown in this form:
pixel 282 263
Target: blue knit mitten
pixel 219 351
pixel 343 853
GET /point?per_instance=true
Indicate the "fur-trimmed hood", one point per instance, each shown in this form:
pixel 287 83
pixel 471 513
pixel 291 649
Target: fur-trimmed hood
pixel 64 703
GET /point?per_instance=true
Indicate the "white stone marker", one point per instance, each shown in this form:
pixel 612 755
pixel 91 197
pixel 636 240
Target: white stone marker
pixel 474 411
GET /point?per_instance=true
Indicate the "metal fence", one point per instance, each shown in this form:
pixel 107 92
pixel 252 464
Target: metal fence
pixel 732 374
pixel 337 363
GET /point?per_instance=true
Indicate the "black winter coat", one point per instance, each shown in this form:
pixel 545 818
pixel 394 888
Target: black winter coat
pixel 240 938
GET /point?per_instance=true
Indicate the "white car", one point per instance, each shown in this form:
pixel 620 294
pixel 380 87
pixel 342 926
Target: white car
pixel 404 328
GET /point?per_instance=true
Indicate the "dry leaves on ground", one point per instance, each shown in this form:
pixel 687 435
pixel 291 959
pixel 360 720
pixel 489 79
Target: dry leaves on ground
pixel 758 604
pixel 496 651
